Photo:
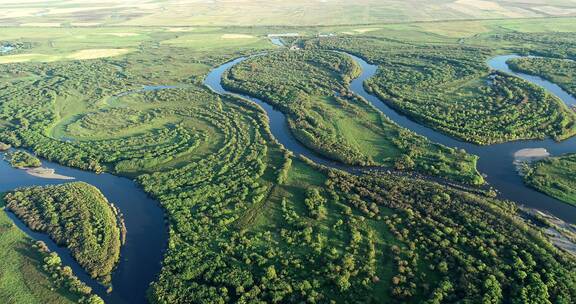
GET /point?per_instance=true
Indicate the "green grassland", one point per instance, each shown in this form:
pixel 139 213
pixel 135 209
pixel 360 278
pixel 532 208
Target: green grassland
pixel 24 277
pixel 248 222
pixel 555 177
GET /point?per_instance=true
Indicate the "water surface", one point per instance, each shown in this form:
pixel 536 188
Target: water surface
pixel 496 161
pixel 145 241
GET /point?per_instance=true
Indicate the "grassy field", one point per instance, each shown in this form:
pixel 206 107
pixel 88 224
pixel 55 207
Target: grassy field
pixel 266 12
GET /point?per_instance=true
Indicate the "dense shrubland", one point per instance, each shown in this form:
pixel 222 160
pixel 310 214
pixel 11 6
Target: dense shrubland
pixel 311 89
pixel 33 274
pixel 451 89
pixel 554 176
pixel 22 159
pixel 559 71
pixel 75 215
pixel 249 223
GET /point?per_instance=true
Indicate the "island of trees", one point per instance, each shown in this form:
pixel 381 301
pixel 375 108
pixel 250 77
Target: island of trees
pixel 75 215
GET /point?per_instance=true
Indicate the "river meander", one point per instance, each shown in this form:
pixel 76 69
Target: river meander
pixel 496 161
pixel 146 239
pixel 147 233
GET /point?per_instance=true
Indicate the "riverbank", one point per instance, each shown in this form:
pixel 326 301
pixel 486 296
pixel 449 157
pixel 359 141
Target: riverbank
pixel 140 257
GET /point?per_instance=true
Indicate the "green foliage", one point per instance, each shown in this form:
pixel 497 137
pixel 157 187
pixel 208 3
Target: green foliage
pixel 555 177
pixel 559 71
pixel 450 88
pixel 466 243
pixel 63 277
pixel 249 223
pixel 32 274
pixel 75 215
pixel 310 87
pixel 22 159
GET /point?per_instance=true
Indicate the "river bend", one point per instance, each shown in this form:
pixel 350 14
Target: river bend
pixel 496 161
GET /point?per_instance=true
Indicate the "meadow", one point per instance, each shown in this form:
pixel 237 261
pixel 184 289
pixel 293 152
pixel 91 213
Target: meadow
pixel 250 222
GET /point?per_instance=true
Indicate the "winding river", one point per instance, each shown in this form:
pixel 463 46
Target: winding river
pixel 147 234
pixel 146 239
pixel 496 161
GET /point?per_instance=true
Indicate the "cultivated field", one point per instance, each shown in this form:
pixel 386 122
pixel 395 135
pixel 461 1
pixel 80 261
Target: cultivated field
pixel 269 12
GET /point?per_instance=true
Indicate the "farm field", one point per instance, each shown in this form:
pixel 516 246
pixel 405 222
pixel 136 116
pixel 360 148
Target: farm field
pixel 260 12
pixel 398 218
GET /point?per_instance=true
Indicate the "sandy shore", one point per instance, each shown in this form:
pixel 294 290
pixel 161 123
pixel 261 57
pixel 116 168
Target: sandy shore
pixel 46 173
pixel 531 154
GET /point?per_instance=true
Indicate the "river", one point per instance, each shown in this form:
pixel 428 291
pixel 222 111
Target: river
pixel 147 234
pixel 146 239
pixel 496 161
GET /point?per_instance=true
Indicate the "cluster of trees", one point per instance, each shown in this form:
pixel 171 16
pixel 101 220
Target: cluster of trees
pixel 22 159
pixel 75 215
pixel 310 87
pixel 452 246
pixel 451 89
pixel 559 71
pixel 63 276
pixel 546 44
pixel 251 224
pixel 554 176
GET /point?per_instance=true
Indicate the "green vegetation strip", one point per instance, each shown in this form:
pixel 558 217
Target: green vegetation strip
pixel 310 87
pixel 559 71
pixel 450 88
pixel 554 176
pixel 30 273
pixel 22 159
pixel 77 216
